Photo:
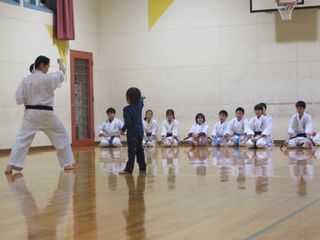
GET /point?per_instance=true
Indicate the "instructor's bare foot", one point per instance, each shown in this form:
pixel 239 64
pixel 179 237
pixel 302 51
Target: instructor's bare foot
pixel 124 173
pixel 8 170
pixel 68 168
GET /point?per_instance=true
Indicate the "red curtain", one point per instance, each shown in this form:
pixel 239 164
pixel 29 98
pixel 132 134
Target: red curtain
pixel 65 20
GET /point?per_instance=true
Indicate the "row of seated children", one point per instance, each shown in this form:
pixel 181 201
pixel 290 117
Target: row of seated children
pixel 255 133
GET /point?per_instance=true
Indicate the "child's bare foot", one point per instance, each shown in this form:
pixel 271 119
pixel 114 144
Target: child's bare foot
pixel 68 168
pixel 10 168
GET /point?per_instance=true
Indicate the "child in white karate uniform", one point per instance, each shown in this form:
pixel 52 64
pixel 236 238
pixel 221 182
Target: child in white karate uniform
pixel 198 134
pixel 235 132
pixel 170 130
pixel 110 129
pixel 219 129
pixel 300 128
pixel 259 130
pixel 150 130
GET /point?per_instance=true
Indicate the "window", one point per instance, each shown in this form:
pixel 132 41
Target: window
pixel 15 2
pixel 44 5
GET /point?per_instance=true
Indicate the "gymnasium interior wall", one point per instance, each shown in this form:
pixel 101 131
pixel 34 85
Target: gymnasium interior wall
pixel 201 56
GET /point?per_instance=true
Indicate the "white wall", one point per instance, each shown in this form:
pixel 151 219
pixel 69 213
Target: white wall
pixel 202 56
pixel 24 36
pixel 208 55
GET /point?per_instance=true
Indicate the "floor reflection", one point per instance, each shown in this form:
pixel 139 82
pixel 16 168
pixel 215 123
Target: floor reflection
pixel 110 160
pixel 301 167
pixel 223 161
pixel 170 165
pixel 262 166
pixel 42 223
pixel 198 158
pixel 135 215
pixel 84 198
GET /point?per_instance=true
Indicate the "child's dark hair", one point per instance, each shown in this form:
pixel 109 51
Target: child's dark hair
pixel 200 115
pixel 149 110
pixel 301 104
pixel 258 107
pixel 240 109
pixel 31 68
pixel 133 95
pixel 223 112
pixel 263 105
pixel 41 60
pixel 111 110
pixel 170 111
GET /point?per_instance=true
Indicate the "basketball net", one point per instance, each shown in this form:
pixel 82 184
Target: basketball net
pixel 285 8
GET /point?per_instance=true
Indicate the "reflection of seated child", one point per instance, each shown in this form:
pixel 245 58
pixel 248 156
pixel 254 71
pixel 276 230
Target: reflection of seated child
pixel 223 161
pixel 301 165
pixel 170 165
pixel 263 169
pixel 199 131
pixel 199 159
pixel 111 161
pixel 151 159
pixel 110 129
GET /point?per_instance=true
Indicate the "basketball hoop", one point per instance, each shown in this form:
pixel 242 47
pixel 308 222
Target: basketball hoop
pixel 285 8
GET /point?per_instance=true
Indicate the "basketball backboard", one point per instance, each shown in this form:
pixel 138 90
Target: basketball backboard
pixel 270 5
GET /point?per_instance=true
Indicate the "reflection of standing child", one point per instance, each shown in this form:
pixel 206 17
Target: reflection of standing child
pixel 132 115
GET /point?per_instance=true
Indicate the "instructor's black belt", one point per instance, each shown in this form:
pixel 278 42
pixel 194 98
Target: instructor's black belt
pixel 149 134
pixel 39 107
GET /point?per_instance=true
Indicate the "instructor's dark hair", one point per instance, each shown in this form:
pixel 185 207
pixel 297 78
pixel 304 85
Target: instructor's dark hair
pixel 301 104
pixel 200 115
pixel 111 110
pixel 31 68
pixel 41 59
pixel 133 95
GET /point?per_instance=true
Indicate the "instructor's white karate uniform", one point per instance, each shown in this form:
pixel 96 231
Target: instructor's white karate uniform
pixel 38 89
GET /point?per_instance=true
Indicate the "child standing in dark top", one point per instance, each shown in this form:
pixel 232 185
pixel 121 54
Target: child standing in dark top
pixel 132 115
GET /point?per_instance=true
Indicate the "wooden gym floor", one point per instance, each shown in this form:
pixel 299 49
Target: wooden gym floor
pixel 187 193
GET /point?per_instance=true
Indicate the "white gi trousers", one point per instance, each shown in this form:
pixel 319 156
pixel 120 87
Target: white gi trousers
pixel 105 142
pixel 46 121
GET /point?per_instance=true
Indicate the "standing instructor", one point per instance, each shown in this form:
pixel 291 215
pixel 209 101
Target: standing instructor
pixel 36 92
